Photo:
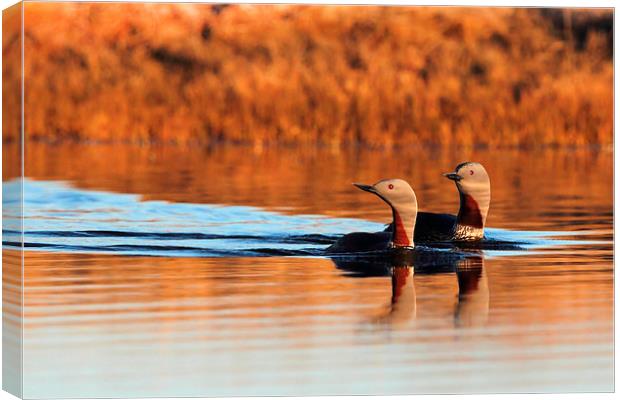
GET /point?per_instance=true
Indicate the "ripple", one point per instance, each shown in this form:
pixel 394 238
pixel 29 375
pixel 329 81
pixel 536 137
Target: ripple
pixel 62 218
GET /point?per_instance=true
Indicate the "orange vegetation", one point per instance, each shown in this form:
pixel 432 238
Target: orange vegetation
pixel 380 76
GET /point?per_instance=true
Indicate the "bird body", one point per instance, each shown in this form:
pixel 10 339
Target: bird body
pixel 361 242
pixel 433 227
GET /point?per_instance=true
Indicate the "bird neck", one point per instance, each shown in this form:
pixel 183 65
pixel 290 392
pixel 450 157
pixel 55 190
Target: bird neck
pixel 403 225
pixel 473 211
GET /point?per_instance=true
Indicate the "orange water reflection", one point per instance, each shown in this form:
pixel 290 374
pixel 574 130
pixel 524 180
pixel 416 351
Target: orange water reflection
pixel 529 188
pixel 163 326
pixel 523 312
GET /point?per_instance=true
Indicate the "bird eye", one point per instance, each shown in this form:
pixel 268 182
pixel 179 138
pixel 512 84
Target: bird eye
pixel 471 172
pixel 390 186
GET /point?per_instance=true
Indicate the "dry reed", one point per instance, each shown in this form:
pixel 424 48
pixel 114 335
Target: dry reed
pixel 379 76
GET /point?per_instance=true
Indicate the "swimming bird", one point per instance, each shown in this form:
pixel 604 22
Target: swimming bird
pixel 474 187
pixel 401 198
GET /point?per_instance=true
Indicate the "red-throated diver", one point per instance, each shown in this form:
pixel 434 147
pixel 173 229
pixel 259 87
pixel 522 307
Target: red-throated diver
pixel 474 186
pixel 401 198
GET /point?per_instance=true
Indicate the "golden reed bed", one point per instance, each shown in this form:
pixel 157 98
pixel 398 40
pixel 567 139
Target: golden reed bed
pixel 379 76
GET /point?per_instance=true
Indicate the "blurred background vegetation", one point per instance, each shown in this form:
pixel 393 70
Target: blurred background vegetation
pixel 333 75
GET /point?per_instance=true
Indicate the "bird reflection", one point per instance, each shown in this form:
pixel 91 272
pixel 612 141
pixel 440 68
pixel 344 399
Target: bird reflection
pixel 403 305
pixel 472 306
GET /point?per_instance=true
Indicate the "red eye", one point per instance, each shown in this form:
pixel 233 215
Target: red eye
pixel 390 186
pixel 471 172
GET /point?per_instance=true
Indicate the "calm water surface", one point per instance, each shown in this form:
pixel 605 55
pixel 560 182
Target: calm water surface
pixel 239 299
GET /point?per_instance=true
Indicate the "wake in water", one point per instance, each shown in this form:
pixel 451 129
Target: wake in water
pixel 306 245
pixel 58 217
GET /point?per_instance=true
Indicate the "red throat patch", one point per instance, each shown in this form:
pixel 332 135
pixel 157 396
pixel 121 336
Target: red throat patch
pixel 399 280
pixel 399 237
pixel 469 214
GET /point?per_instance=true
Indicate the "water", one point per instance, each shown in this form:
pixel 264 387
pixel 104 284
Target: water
pixel 62 218
pixel 172 272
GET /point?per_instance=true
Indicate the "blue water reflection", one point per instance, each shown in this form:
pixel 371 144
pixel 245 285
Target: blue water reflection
pixel 59 217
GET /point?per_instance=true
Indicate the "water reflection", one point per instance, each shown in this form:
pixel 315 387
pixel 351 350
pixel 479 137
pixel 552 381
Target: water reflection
pixel 283 325
pixel 472 308
pixel 403 305
pixel 472 305
pixel 400 267
pixel 526 184
pixel 208 326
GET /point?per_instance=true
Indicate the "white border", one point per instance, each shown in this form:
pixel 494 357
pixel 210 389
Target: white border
pixel 526 3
